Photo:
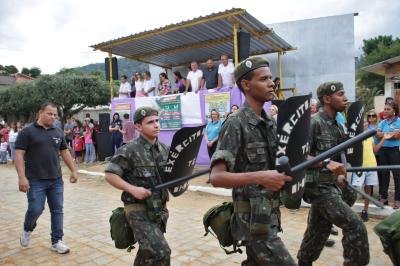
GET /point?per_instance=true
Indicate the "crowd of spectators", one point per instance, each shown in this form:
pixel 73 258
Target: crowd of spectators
pixel 211 77
pixel 8 135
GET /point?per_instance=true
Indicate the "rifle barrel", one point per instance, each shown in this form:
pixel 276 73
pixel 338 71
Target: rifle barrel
pixel 180 180
pixel 365 195
pixel 341 147
pixel 377 168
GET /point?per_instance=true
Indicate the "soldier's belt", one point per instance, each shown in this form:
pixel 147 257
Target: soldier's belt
pixel 315 176
pixel 240 206
pixel 136 207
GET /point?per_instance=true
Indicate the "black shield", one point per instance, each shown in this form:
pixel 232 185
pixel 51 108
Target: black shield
pixel 355 125
pixel 182 156
pixel 294 119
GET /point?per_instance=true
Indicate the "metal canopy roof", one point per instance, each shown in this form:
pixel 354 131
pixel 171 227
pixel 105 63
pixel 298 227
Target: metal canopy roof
pixel 197 39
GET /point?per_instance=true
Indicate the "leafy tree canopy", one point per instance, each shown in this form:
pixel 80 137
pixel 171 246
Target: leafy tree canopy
pixel 11 69
pixel 71 93
pixel 375 50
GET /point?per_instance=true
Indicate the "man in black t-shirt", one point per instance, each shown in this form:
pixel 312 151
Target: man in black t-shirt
pixel 210 76
pixel 37 161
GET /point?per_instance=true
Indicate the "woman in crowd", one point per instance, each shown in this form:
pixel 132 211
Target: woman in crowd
pixel 180 82
pixel 389 154
pixel 165 85
pixel 234 109
pixel 273 112
pixel 4 131
pixel 133 86
pixel 124 88
pixel 12 137
pixel 139 85
pixel 367 180
pixel 89 146
pixel 149 85
pixel 314 106
pixel 116 135
pixel 212 130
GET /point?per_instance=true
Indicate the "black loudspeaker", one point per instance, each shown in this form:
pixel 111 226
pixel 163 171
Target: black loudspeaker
pixel 104 119
pixel 243 45
pixel 103 145
pixel 114 68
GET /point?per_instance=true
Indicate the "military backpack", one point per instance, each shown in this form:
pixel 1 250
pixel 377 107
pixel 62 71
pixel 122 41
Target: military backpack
pixel 389 233
pixel 219 219
pixel 120 230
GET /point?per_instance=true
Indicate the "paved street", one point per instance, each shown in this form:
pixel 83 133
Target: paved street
pixel 88 205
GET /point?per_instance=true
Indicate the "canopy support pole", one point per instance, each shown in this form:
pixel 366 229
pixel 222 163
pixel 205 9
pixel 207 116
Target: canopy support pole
pixel 280 89
pixel 110 75
pixel 235 42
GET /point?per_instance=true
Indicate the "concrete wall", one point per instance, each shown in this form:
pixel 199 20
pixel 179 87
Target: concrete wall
pixel 325 51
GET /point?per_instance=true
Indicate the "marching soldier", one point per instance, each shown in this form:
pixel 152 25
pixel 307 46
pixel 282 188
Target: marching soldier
pixel 135 168
pixel 322 190
pixel 245 161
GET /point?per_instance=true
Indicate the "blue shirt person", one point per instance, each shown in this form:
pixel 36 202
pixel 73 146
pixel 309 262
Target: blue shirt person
pixel 212 130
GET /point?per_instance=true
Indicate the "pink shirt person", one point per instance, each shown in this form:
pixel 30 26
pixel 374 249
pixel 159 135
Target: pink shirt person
pixel 128 129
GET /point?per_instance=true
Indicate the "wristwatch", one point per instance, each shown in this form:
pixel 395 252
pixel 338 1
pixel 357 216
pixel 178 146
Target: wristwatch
pixel 325 162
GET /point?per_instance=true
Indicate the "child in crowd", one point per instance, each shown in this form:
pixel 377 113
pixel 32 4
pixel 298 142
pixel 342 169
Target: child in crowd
pixel 367 179
pixel 78 147
pixel 3 150
pixel 89 147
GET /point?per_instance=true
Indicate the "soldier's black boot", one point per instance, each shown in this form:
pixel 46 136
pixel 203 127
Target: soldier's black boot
pixel 304 263
pixel 334 231
pixel 329 243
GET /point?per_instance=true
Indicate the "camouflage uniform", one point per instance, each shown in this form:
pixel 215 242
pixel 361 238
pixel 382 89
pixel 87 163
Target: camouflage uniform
pixel 327 206
pixel 247 144
pixel 141 164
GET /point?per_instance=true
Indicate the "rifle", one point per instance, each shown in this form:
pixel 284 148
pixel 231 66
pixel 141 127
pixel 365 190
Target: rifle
pixel 284 161
pixel 362 193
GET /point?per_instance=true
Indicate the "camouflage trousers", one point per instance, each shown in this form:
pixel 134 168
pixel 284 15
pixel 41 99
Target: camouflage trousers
pixel 153 247
pixel 326 209
pixel 269 251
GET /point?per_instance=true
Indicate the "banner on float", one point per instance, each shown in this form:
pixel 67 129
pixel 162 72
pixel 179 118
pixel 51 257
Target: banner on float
pixel 123 108
pixel 170 112
pixel 190 109
pixel 218 101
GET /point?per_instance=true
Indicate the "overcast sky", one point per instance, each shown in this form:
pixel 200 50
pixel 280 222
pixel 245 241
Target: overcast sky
pixel 52 34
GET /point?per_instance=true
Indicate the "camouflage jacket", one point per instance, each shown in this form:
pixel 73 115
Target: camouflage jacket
pixel 247 144
pixel 325 134
pixel 141 164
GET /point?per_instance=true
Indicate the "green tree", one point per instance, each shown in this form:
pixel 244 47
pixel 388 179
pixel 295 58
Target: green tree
pixel 376 50
pixel 11 69
pixel 35 72
pixel 372 44
pixel 25 71
pixel 68 71
pixel 71 93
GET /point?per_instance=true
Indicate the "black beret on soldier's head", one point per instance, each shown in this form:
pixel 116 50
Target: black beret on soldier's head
pixel 248 65
pixel 143 112
pixel 329 88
